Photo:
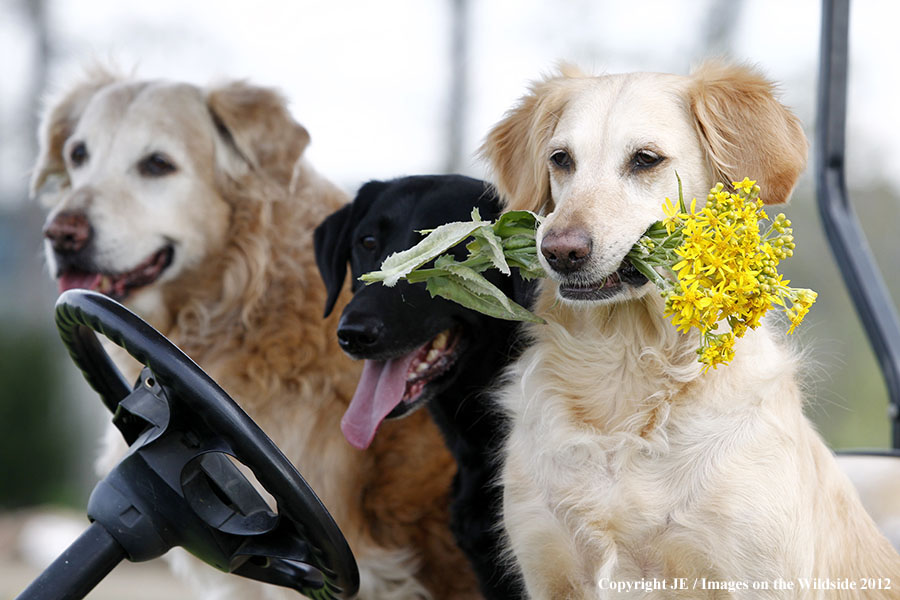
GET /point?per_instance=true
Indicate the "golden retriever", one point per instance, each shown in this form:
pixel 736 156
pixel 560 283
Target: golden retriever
pixel 625 463
pixel 196 208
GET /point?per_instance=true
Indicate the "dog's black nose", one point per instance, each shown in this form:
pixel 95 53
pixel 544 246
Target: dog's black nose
pixel 68 232
pixel 358 333
pixel 568 250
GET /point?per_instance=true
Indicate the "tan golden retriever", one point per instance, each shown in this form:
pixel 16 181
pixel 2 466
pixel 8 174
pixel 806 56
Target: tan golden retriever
pixel 625 463
pixel 196 208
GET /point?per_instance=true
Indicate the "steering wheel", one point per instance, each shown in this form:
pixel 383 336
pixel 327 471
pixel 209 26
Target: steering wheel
pixel 178 483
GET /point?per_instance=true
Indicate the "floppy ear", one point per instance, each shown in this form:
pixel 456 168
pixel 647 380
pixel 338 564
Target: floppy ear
pixel 256 123
pixel 57 125
pixel 746 132
pixel 332 245
pixel 516 146
pixel 333 240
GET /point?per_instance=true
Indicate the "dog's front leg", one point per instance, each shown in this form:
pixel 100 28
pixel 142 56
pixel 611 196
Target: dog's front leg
pixel 539 542
pixel 586 527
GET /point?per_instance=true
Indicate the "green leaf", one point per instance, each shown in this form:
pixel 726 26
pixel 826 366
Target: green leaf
pixel 491 246
pixel 526 260
pixel 400 264
pixel 455 291
pixel 476 283
pixel 510 242
pixel 517 222
pixel 519 240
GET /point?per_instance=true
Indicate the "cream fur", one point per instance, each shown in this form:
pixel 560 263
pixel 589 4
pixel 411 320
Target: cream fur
pixel 624 461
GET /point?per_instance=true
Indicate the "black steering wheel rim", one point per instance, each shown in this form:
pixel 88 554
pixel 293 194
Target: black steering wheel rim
pixel 81 314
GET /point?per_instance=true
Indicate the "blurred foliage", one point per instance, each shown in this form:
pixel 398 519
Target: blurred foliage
pixel 36 439
pixel 846 395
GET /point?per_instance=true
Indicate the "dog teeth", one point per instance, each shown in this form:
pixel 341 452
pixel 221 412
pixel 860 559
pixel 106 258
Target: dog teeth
pixel 105 284
pixel 440 342
pixel 432 355
pixel 421 367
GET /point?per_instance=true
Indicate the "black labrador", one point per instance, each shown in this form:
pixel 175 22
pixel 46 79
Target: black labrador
pixel 421 350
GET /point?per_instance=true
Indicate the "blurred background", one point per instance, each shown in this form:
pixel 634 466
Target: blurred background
pixel 407 87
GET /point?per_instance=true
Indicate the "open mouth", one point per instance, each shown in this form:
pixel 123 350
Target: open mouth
pixel 612 285
pixel 117 285
pixel 429 362
pixel 394 388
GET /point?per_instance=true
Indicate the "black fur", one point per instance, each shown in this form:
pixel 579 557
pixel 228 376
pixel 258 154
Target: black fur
pixel 405 317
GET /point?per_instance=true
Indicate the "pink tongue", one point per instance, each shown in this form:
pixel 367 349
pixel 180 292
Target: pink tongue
pixel 379 391
pixel 71 280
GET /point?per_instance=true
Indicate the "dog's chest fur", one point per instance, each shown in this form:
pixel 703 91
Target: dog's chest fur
pixel 612 439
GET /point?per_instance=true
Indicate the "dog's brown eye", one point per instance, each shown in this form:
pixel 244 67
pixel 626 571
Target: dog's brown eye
pixel 645 158
pixel 368 242
pixel 561 159
pixel 155 165
pixel 78 154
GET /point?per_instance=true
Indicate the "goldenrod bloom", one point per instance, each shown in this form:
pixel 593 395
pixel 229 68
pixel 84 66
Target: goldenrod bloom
pixel 745 186
pixel 718 268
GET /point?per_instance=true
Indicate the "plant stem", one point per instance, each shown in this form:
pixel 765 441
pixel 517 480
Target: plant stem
pixel 648 271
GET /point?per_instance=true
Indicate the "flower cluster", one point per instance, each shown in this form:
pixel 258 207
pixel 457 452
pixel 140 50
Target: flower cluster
pixel 720 268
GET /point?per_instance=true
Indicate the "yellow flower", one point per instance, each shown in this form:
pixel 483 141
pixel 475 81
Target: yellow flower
pixel 715 265
pixel 687 306
pixel 725 270
pixel 746 185
pixel 804 299
pixel 722 197
pixel 720 350
pixel 673 217
pixel 796 314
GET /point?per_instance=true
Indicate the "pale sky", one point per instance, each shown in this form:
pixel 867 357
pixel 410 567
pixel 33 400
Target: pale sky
pixel 369 79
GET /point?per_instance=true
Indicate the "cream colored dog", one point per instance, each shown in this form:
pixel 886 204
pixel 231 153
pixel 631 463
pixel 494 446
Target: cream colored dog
pixel 196 208
pixel 626 463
